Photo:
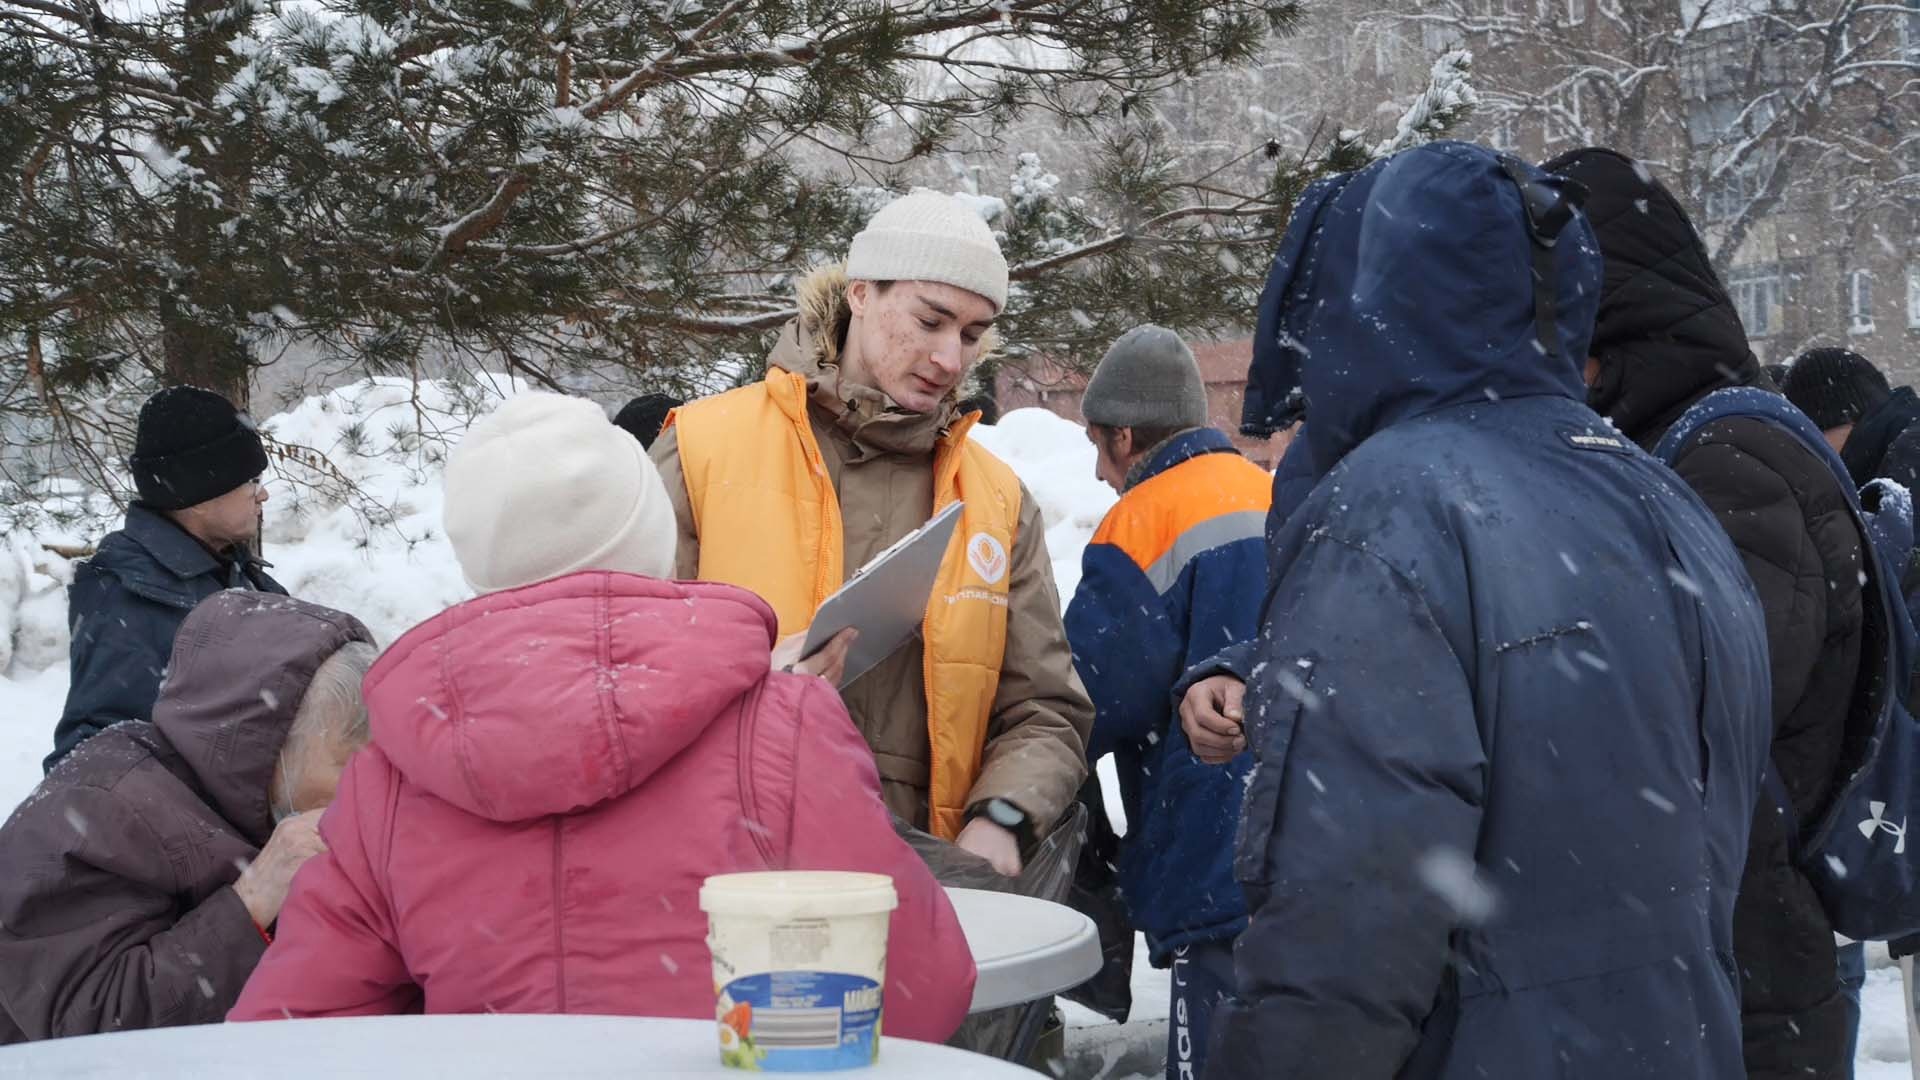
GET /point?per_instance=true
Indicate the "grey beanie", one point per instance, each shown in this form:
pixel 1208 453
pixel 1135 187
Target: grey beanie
pixel 1148 379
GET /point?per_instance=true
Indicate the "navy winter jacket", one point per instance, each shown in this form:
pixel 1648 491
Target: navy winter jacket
pixel 1510 696
pixel 1173 574
pixel 123 608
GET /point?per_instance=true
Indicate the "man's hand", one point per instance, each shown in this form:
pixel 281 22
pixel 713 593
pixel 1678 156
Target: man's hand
pixel 830 663
pixel 1212 716
pixel 263 885
pixel 992 843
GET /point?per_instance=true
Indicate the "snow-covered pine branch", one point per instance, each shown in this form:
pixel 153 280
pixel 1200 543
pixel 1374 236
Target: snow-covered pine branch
pixel 1447 100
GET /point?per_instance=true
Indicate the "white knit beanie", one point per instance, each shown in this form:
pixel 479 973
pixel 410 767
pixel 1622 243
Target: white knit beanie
pixel 546 486
pixel 928 236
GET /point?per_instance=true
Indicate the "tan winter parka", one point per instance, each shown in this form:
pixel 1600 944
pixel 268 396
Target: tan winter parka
pixel 881 462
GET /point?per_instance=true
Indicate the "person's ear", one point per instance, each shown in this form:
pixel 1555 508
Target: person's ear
pixel 858 293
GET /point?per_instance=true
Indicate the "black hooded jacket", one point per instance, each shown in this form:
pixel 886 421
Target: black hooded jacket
pixel 1885 444
pixel 1668 335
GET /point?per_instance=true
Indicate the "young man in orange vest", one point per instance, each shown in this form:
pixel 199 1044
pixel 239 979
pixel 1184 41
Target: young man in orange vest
pixel 978 727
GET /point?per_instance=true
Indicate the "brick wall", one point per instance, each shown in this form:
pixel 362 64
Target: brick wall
pixel 1223 364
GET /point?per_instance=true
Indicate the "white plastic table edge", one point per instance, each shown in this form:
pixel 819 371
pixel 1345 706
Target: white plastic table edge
pixel 1007 980
pixel 286 1050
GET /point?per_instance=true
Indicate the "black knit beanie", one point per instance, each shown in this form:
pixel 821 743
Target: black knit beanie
pixel 1835 387
pixel 643 416
pixel 192 446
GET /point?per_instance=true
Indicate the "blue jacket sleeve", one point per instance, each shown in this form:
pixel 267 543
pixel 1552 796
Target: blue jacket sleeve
pixel 1125 646
pixel 1236 660
pixel 1360 825
pixel 1902 462
pixel 120 647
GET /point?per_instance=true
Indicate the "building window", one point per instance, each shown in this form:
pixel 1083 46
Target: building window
pixel 1913 296
pixel 1910 32
pixel 1729 194
pixel 1757 295
pixel 1386 46
pixel 1577 12
pixel 1505 134
pixel 1563 116
pixel 1860 302
pixel 1438 37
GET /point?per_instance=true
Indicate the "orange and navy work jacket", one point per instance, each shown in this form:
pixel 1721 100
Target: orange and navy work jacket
pixel 1175 573
pixel 769 520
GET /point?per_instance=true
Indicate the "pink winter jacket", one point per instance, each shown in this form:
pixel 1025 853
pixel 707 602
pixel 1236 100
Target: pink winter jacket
pixel 553 772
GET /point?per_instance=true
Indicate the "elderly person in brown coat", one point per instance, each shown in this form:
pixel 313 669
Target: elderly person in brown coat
pixel 144 874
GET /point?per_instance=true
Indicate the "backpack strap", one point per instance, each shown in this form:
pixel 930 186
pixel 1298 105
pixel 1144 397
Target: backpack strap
pixel 1550 203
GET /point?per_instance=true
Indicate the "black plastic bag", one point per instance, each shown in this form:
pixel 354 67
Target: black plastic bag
pixel 1009 1034
pixel 1096 894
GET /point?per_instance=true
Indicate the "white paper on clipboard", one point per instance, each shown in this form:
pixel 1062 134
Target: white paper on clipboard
pixel 886 600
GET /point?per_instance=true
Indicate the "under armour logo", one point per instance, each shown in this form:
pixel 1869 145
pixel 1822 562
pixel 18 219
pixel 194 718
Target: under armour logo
pixel 1879 823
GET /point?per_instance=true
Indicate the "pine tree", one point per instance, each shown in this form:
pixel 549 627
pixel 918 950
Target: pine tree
pixel 559 186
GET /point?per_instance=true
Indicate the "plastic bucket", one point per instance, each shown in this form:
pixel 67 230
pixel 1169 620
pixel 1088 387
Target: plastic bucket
pixel 799 964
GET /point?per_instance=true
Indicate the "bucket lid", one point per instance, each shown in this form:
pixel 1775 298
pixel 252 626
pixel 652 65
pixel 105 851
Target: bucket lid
pixel 798 894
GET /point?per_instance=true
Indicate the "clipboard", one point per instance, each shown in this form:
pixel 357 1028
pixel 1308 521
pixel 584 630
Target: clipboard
pixel 886 600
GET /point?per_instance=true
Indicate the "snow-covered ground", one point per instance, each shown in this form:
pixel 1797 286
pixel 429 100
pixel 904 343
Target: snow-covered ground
pixel 1884 1052
pixel 354 523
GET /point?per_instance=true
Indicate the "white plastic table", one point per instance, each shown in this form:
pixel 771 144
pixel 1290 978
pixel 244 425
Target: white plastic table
pixel 1026 949
pixel 423 1047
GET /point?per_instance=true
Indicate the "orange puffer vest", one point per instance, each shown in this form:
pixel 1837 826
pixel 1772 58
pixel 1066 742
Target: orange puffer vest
pixel 769 520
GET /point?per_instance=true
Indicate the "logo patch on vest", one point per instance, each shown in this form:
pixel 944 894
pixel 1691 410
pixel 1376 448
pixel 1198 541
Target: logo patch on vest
pixel 1594 440
pixel 988 557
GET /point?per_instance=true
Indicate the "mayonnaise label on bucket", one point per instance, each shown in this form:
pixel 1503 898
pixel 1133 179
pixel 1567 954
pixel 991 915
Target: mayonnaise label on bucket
pixel 799 1021
pixel 799 959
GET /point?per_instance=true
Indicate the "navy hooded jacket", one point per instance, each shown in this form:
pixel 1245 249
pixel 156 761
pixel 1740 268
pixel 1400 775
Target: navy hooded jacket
pixel 1173 574
pixel 1510 694
pixel 124 607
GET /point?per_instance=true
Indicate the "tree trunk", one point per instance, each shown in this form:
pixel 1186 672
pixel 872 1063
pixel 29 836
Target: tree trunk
pixel 197 354
pixel 199 345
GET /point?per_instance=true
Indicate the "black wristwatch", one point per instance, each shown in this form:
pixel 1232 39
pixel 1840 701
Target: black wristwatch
pixel 1006 815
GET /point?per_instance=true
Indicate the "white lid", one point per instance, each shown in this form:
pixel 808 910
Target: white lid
pixel 798 894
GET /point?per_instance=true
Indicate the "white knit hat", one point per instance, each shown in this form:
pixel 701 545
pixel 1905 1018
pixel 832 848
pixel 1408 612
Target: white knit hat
pixel 546 486
pixel 928 236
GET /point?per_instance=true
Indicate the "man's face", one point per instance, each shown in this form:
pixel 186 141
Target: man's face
pixel 1113 455
pixel 229 520
pixel 915 340
pixel 1837 437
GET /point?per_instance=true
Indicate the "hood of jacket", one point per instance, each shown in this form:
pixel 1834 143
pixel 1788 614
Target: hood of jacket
pixel 1407 288
pixel 810 344
pixel 1866 451
pixel 1667 333
pixel 241 664
pixel 561 695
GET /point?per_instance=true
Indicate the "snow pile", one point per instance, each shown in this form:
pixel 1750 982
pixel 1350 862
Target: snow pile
pixel 53 518
pixel 53 521
pixel 355 521
pixel 1055 461
pixel 29 705
pixel 352 522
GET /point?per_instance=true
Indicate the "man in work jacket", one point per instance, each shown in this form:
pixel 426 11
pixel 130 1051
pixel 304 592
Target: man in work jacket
pixel 978 726
pixel 1174 573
